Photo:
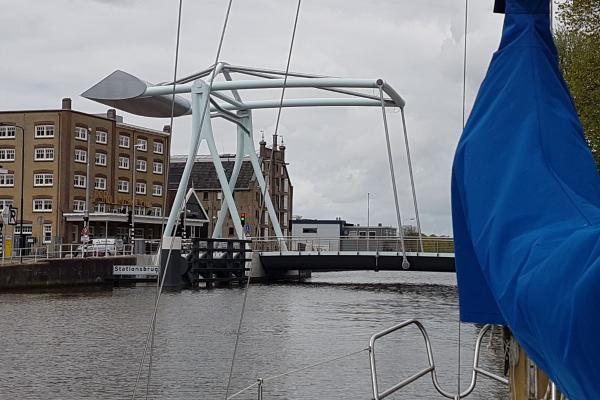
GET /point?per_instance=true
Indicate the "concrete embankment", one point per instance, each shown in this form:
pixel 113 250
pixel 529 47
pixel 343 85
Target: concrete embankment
pixel 61 272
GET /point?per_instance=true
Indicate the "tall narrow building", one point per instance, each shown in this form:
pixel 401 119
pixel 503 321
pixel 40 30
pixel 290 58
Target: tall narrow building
pixel 247 193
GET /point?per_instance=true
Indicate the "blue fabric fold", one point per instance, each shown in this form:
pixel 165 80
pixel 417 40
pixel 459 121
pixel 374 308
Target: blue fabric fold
pixel 526 208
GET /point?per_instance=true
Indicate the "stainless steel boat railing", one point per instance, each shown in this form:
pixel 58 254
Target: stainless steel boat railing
pixel 377 395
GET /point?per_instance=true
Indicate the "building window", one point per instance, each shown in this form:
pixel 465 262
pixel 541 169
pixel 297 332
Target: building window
pixel 81 133
pixel 42 205
pixel 100 208
pixel 44 154
pixel 286 185
pixel 80 181
pixel 124 162
pixel 362 233
pixel 158 147
pixel 100 183
pixel 7 180
pixel 140 188
pixel 47 233
pixel 156 211
pixel 123 186
pixel 43 179
pixel 124 141
pixel 140 165
pixel 80 156
pixel 44 131
pixel 157 168
pixel 309 230
pixel 138 210
pixel 142 144
pixel 78 205
pixel 27 229
pixel 204 195
pixel 4 203
pixel 157 190
pixel 7 154
pixel 8 132
pixel 101 137
pixel 101 159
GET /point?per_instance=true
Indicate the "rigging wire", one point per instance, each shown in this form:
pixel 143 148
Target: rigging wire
pixel 165 189
pixel 464 116
pixel 285 78
pixel 241 321
pixel 164 274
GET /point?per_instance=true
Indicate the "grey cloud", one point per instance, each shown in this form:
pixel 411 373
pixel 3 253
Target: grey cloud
pixel 336 155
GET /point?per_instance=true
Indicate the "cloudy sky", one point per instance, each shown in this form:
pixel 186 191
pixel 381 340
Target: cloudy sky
pixel 59 48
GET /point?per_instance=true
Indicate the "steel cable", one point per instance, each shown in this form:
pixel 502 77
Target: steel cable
pixel 464 116
pixel 241 321
pixel 203 115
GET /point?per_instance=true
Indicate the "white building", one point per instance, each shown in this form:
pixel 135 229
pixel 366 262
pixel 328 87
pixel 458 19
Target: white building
pixel 314 234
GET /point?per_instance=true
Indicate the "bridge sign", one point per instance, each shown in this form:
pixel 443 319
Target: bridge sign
pixel 135 270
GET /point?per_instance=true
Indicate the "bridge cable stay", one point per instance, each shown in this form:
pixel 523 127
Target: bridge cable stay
pixel 464 117
pixel 205 110
pixel 405 263
pixel 241 321
pixel 164 205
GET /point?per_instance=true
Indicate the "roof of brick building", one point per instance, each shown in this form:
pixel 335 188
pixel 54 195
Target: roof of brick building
pixel 204 175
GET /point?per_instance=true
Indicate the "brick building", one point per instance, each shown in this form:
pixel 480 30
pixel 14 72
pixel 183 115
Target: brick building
pixel 56 145
pixel 247 193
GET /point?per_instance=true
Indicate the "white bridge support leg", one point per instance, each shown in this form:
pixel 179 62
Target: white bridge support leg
pixel 200 118
pixel 237 166
pixel 227 193
pixel 246 120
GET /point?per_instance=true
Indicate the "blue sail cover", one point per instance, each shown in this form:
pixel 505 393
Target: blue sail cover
pixel 526 208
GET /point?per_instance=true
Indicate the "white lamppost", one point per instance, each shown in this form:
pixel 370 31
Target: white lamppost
pixel 134 189
pixel 368 216
pixel 86 216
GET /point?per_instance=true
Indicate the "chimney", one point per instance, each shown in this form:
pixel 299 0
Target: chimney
pixel 282 149
pixel 111 113
pixel 66 103
pixel 263 144
pixel 167 129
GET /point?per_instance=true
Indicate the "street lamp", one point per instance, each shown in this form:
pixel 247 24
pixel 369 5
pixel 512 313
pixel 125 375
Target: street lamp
pixel 368 217
pixel 134 189
pixel 22 186
pixel 88 178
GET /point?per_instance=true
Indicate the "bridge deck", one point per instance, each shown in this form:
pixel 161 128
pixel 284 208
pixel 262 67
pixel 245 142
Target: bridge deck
pixel 281 261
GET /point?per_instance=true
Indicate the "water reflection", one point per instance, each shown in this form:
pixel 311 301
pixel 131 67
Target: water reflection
pixel 86 344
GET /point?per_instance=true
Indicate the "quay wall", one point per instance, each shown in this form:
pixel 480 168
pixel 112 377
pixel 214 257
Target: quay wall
pixel 61 272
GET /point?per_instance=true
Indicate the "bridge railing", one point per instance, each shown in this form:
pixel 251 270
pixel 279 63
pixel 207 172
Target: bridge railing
pixel 357 244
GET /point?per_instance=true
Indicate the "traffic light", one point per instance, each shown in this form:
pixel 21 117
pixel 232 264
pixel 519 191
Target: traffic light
pixel 130 217
pixel 243 218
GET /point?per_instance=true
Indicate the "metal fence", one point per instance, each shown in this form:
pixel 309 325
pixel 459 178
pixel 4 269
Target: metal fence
pixel 358 244
pixel 74 250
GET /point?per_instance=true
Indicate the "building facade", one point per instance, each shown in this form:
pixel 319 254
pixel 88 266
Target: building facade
pixel 247 193
pixel 46 155
pixel 317 234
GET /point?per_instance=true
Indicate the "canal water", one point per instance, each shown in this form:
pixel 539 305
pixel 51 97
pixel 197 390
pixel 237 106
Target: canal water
pixel 87 344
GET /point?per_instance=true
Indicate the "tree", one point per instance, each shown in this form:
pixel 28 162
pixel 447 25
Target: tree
pixel 578 43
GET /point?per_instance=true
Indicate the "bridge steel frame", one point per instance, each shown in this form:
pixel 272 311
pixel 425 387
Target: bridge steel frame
pixel 209 98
